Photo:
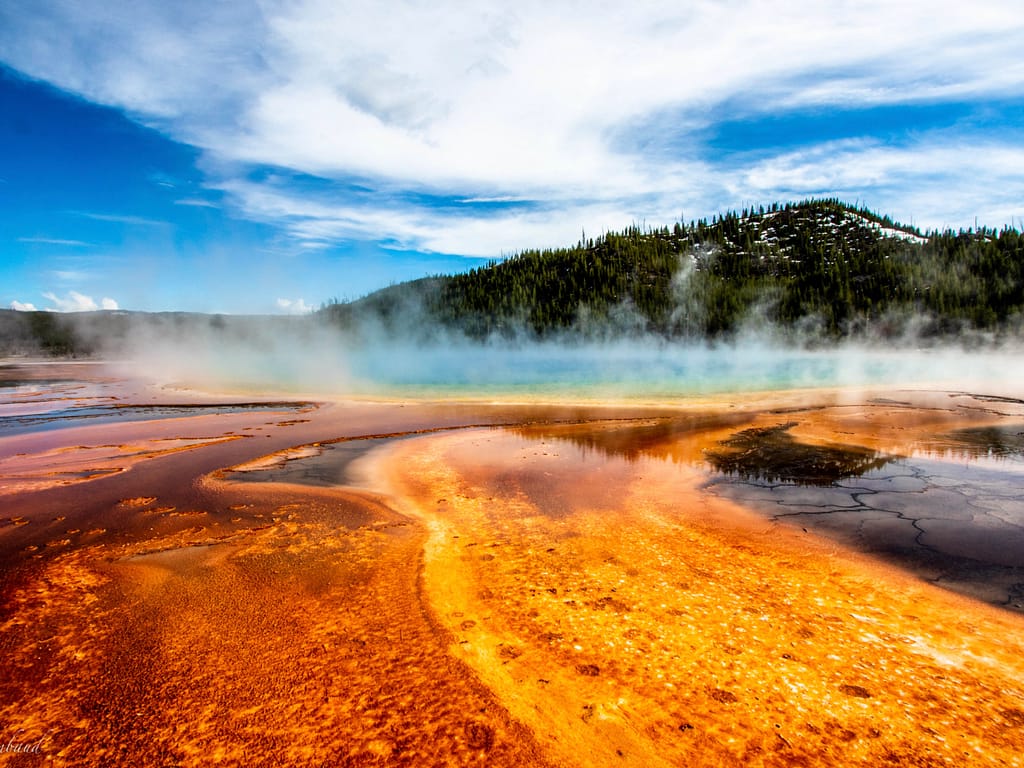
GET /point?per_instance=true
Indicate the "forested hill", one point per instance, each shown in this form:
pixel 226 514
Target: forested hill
pixel 818 264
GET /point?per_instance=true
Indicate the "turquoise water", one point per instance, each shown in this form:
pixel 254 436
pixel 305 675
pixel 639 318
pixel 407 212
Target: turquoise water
pixel 643 370
pixel 662 372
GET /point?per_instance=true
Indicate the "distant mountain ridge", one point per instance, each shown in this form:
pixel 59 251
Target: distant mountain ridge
pixel 821 269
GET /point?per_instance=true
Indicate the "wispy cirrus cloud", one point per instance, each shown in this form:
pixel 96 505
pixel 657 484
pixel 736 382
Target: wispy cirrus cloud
pixel 54 241
pixel 71 275
pixel 117 218
pixel 406 225
pixel 195 202
pixel 578 116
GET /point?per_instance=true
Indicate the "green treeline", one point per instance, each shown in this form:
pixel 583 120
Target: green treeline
pixel 817 263
pixel 553 289
pixel 40 333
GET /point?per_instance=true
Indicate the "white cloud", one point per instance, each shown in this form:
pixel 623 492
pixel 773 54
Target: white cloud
pixel 196 202
pixel 409 226
pixel 911 183
pixel 294 306
pixel 70 275
pixel 591 111
pixel 77 302
pixel 114 218
pixel 23 306
pixel 53 241
pixel 73 302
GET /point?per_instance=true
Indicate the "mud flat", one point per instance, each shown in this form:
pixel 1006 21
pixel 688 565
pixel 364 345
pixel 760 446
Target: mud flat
pixel 197 580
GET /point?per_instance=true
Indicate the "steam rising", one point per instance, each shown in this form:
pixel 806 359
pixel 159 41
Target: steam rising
pixel 309 355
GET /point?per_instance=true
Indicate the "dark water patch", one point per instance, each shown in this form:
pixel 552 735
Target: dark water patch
pixel 46 372
pixel 1003 441
pixel 633 439
pixel 327 463
pixel 958 526
pixel 32 384
pixel 989 398
pixel 890 401
pixel 323 465
pixel 772 454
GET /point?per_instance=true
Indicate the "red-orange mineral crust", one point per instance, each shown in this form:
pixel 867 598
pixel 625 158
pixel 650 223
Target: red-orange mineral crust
pixel 567 589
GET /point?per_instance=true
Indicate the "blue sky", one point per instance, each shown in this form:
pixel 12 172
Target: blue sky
pixel 266 157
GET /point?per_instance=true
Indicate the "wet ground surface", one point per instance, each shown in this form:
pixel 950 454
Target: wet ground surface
pixel 30 404
pixel 952 511
pixel 452 584
pixel 327 464
pixel 956 521
pixel 961 527
pixel 772 455
pixel 628 617
pixel 156 612
pixel 65 418
pixel 890 478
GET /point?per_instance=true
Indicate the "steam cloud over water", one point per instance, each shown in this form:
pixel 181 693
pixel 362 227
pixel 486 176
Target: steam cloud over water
pixel 303 355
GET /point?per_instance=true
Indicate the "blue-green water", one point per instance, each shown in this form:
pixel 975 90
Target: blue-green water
pixel 661 372
pixel 637 370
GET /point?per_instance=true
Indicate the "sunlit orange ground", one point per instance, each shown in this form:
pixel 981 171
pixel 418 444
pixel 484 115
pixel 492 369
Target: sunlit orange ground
pixel 488 597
